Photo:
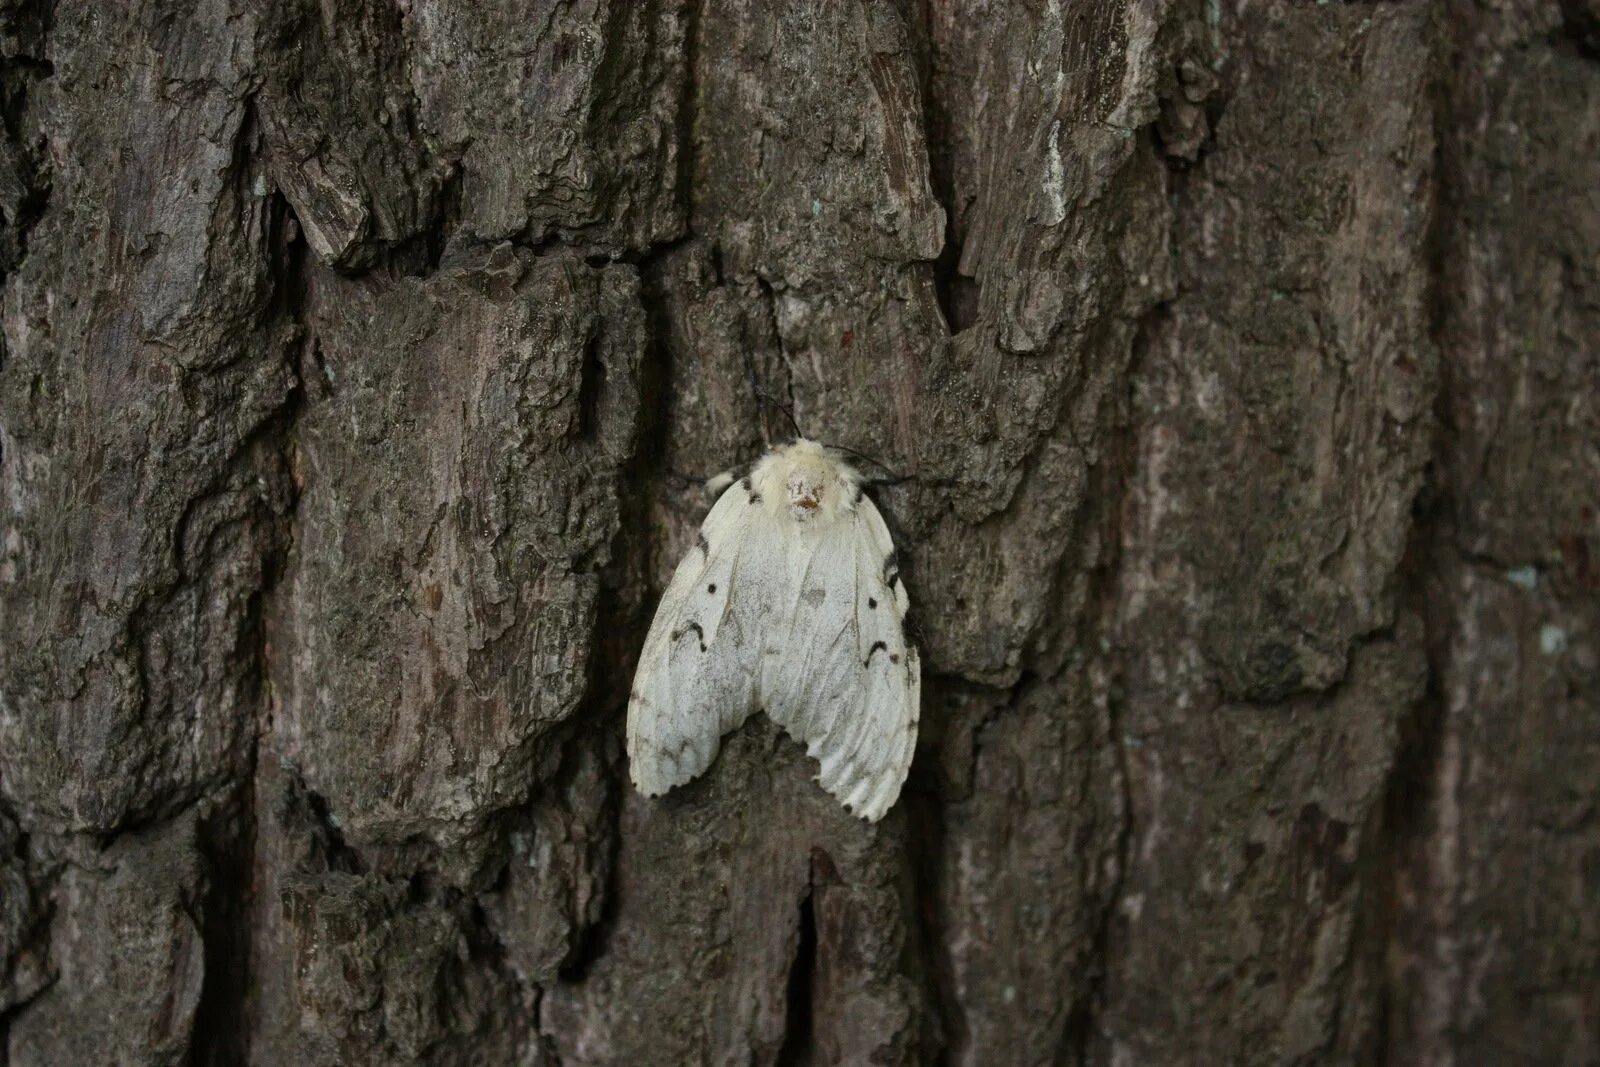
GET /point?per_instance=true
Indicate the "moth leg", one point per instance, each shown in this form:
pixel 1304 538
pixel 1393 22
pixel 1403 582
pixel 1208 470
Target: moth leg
pixel 714 484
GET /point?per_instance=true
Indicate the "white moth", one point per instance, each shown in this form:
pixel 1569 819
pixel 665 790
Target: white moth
pixel 790 603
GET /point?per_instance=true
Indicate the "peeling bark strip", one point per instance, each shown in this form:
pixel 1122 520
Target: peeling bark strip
pixel 1238 361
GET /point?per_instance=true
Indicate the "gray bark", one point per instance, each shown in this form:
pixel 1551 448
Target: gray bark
pixel 1238 363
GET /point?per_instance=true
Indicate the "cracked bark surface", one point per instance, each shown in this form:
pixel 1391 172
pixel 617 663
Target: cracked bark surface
pixel 1234 366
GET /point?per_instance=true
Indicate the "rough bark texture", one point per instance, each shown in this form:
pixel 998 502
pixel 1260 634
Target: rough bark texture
pixel 1237 365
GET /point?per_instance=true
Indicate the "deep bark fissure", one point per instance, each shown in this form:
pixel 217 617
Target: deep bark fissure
pixel 798 1049
pixel 957 293
pixel 436 236
pixel 925 847
pixel 1408 812
pixel 221 1033
pixel 1581 29
pixel 1399 864
pixel 32 197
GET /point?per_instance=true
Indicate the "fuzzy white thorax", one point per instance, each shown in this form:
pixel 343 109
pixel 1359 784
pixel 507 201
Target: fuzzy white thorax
pixel 806 482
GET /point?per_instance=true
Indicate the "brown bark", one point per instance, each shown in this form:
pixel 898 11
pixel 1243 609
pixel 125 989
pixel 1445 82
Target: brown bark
pixel 1238 365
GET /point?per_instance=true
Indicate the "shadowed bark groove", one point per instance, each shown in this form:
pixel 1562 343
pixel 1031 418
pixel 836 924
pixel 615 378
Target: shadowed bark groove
pixel 1234 364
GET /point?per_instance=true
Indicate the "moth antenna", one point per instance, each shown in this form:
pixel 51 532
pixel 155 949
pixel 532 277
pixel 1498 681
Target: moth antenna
pixel 788 413
pixel 682 480
pixel 714 483
pixel 893 479
pixel 765 401
pixel 873 483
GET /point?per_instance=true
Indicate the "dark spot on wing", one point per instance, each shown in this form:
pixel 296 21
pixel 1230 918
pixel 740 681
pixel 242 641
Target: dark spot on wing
pixel 746 483
pixel 891 570
pixel 814 596
pixel 686 628
pixel 856 497
pixel 701 543
pixel 755 498
pixel 894 657
pixel 875 646
pixel 712 588
pixel 871 603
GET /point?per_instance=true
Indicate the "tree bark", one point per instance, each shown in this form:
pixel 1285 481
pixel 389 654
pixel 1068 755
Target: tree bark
pixel 1236 366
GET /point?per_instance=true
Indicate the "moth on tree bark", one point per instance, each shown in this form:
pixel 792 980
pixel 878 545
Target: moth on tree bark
pixel 1235 360
pixel 790 603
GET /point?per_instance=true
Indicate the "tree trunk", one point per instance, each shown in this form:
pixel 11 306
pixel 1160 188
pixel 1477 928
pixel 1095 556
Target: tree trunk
pixel 1236 365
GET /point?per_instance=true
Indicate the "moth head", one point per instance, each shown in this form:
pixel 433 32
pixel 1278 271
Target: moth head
pixel 805 490
pixel 804 482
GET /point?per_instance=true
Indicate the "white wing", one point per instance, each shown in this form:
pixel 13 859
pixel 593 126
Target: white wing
pixel 847 683
pixel 698 671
